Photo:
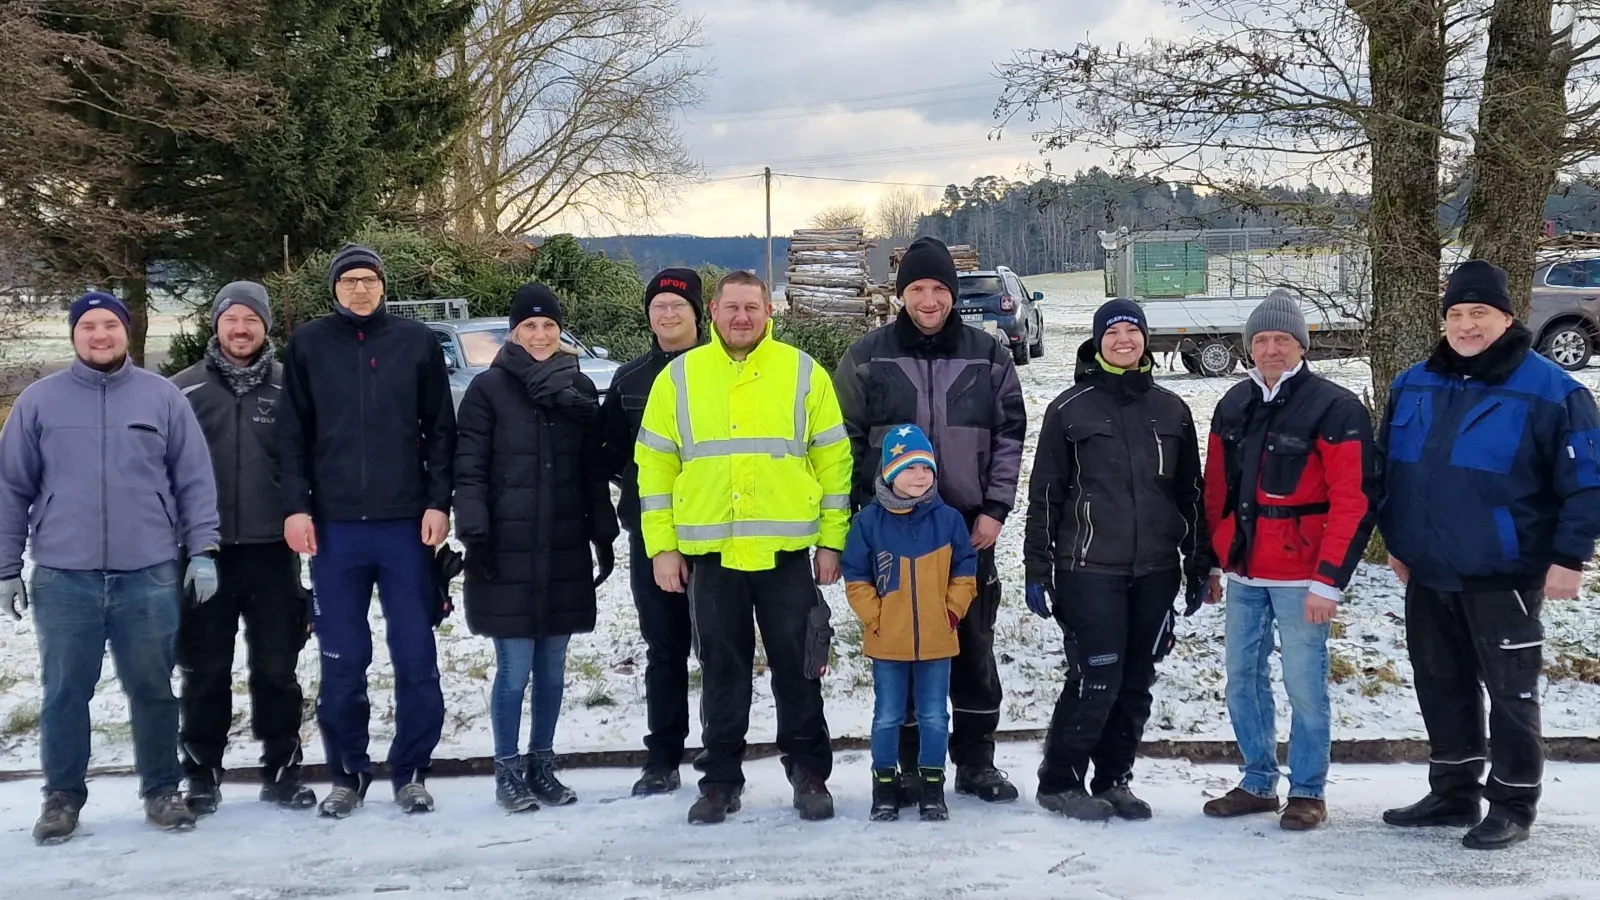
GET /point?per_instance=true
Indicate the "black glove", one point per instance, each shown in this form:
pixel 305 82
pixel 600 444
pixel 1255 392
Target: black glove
pixel 1194 592
pixel 605 558
pixel 819 638
pixel 447 564
pixel 480 559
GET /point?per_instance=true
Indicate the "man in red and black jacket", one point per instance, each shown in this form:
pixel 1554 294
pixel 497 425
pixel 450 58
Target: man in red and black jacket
pixel 1291 481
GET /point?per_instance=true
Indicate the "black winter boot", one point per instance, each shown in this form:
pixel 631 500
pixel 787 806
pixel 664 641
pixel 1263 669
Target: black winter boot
pixel 657 780
pixel 986 783
pixel 1125 804
pixel 542 780
pixel 203 794
pixel 511 789
pixel 931 804
pixel 811 797
pixel 1075 803
pixel 885 795
pixel 1497 832
pixel 1435 811
pixel 908 788
pixel 284 788
pixel 714 805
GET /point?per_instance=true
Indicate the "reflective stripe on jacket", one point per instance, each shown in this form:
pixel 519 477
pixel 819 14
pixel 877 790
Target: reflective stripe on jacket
pixel 743 458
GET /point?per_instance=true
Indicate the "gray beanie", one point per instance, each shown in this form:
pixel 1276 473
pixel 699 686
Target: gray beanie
pixel 1279 312
pixel 244 293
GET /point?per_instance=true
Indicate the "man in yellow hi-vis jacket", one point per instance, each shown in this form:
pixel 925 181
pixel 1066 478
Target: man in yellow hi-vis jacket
pixel 744 467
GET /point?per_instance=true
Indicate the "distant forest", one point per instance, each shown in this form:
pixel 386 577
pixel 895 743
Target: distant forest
pixel 1051 225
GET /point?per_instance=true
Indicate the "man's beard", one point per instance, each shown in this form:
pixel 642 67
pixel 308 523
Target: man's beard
pixel 115 363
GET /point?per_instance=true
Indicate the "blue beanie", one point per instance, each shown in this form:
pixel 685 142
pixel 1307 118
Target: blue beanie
pixel 97 300
pixel 905 446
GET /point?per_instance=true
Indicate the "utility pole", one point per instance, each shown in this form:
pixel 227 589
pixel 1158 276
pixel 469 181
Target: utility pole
pixel 771 281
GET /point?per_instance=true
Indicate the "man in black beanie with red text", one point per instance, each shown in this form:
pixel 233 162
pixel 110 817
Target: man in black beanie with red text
pixel 672 301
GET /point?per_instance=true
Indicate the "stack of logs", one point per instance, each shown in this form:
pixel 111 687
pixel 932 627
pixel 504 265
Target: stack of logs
pixel 887 305
pixel 828 272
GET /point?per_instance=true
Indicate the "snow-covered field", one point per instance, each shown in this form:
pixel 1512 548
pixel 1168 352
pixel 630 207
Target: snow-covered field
pixel 642 849
pixel 604 707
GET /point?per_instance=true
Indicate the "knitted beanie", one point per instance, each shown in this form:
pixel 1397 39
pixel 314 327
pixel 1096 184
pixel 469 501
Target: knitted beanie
pixel 905 446
pixel 248 294
pixel 1279 312
pixel 1478 281
pixel 927 257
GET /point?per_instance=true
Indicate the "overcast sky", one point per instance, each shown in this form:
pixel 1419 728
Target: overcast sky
pixel 920 79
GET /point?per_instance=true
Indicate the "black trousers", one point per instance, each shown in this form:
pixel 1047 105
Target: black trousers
pixel 722 601
pixel 974 682
pixel 1117 623
pixel 664 623
pixel 1459 641
pixel 259 583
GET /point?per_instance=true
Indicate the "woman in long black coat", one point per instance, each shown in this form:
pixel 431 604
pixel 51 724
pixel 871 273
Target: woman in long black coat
pixel 531 498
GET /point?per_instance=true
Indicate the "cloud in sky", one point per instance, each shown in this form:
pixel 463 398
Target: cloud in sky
pixel 919 82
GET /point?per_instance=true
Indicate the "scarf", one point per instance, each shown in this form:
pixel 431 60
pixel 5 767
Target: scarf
pixel 895 503
pixel 555 384
pixel 1494 365
pixel 240 379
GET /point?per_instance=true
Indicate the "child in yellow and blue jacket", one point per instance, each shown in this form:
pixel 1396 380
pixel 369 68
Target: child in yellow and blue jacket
pixel 910 573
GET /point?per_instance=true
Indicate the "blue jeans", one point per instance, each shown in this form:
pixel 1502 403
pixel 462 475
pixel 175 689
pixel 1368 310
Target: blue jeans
pixel 1251 612
pixel 891 684
pixel 516 660
pixel 76 613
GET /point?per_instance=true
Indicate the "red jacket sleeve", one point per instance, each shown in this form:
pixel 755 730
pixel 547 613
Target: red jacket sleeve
pixel 1354 479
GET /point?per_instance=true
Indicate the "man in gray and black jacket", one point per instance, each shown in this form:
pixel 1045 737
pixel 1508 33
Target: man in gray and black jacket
pixel 234 392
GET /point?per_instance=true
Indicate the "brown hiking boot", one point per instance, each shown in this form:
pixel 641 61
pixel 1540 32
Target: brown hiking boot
pixel 1240 802
pixel 1303 814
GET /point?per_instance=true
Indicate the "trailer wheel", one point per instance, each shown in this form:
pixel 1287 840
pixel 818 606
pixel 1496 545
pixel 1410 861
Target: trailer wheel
pixel 1216 358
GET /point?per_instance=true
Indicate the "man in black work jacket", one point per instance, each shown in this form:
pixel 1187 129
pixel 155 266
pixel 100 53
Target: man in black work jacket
pixel 235 392
pixel 368 434
pixel 673 303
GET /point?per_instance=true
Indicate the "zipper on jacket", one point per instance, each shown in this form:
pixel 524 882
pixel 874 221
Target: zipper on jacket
pixel 105 512
pixel 238 465
pixel 1088 538
pixel 1161 455
pixel 916 616
pixel 361 384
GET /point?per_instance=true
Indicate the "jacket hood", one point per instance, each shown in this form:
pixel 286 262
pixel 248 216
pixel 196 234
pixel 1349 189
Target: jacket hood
pixel 1090 370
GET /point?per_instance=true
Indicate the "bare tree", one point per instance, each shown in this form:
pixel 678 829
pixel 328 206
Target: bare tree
pixel 899 211
pixel 842 215
pixel 577 103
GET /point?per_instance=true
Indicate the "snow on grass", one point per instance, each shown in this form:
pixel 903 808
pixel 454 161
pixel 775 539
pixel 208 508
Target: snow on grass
pixel 604 705
pixel 643 850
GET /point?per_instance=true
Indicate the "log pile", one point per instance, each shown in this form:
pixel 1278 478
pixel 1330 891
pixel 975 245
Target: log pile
pixel 828 272
pixel 965 256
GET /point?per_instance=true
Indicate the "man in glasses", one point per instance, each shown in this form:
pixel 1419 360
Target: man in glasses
pixel 367 436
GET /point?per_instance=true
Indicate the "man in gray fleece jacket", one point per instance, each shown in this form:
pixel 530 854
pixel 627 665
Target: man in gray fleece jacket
pixel 103 465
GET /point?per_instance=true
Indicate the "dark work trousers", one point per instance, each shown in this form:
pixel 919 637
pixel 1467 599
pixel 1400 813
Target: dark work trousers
pixel 722 601
pixel 1117 623
pixel 351 558
pixel 664 624
pixel 974 681
pixel 259 583
pixel 1457 642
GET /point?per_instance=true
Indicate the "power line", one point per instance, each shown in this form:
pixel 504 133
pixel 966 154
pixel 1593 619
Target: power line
pixel 859 109
pixel 850 155
pixel 860 180
pixel 861 99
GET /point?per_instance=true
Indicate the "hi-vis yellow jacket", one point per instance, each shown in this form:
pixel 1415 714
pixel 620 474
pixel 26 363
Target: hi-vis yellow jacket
pixel 745 458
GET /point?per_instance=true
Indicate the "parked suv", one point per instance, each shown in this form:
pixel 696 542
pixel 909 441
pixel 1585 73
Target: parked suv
pixel 999 297
pixel 1565 319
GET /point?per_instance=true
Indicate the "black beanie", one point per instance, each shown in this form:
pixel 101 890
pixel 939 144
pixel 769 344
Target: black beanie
pixel 534 299
pixel 355 256
pixel 1478 281
pixel 1119 310
pixel 927 257
pixel 683 282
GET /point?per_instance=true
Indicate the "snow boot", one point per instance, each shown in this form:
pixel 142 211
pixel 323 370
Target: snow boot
pixel 1303 814
pixel 168 811
pixel 908 788
pixel 1125 804
pixel 58 819
pixel 986 783
pixel 714 805
pixel 931 802
pixel 542 780
pixel 344 799
pixel 412 797
pixel 885 795
pixel 511 789
pixel 1435 811
pixel 657 780
pixel 203 794
pixel 811 797
pixel 1240 802
pixel 282 786
pixel 1075 803
pixel 1497 832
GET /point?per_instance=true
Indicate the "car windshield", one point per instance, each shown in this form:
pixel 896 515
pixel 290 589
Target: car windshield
pixel 982 284
pixel 482 345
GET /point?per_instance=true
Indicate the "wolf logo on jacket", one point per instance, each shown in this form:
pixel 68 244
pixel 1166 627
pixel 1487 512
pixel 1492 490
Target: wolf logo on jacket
pixel 1491 504
pixel 960 387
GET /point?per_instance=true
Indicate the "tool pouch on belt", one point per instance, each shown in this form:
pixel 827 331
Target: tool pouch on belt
pixel 819 637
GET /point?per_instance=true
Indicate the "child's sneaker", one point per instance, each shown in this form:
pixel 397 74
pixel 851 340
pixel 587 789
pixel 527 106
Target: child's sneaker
pixel 885 795
pixel 931 804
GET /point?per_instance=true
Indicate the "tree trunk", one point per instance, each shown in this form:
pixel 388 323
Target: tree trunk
pixel 1406 49
pixel 136 295
pixel 1517 148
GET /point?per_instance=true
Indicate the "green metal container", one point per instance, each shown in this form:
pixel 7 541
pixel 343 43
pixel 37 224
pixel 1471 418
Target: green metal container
pixel 1169 269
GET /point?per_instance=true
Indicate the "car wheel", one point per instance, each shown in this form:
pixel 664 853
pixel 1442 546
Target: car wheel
pixel 1019 353
pixel 1567 346
pixel 1036 349
pixel 1216 358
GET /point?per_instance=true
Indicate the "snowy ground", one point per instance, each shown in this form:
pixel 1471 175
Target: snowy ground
pixel 642 849
pixel 604 706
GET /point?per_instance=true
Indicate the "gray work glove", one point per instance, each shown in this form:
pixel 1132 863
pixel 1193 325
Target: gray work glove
pixel 14 594
pixel 201 579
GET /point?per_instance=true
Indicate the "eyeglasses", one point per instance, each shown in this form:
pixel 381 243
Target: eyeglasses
pixel 367 282
pixel 666 306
